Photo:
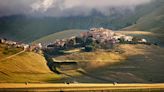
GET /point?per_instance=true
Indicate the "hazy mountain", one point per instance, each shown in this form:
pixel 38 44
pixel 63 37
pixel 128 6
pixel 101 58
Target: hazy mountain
pixel 152 21
pixel 27 28
pixel 30 28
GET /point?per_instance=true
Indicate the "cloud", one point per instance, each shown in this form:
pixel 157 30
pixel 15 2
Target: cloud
pixel 42 5
pixel 13 7
pixel 102 3
pixel 64 7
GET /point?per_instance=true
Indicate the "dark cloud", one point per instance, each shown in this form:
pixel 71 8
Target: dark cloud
pixel 63 7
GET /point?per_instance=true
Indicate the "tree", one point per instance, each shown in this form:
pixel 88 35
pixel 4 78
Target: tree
pixel 89 48
pixel 79 40
pixel 89 41
pixel 121 40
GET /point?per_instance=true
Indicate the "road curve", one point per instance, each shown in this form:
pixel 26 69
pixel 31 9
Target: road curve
pixel 78 87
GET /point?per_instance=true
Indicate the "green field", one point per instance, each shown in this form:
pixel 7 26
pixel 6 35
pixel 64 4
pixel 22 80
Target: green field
pixel 152 21
pixel 59 35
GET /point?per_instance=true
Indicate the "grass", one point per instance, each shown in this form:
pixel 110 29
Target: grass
pixel 6 51
pixel 99 55
pixel 25 67
pixel 72 51
pixel 138 64
pixel 59 35
pixel 83 87
pixel 92 60
pixel 152 22
pixel 144 64
pixel 149 36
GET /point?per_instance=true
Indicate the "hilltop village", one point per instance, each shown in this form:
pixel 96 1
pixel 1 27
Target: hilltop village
pixel 95 38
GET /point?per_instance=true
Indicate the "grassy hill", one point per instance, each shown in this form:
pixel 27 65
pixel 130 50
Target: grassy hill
pixel 59 35
pixel 23 28
pixel 142 64
pixel 152 21
pixel 25 67
pixel 137 64
pixel 6 51
pixel 27 28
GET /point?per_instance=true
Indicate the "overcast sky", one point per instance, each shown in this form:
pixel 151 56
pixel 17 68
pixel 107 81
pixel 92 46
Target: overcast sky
pixel 63 7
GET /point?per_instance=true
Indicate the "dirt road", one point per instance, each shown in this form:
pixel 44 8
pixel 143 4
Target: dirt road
pixel 78 87
pixel 12 55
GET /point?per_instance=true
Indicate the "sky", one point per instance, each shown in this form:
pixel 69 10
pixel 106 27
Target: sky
pixel 64 7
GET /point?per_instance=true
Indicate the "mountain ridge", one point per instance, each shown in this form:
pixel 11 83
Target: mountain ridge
pixel 27 28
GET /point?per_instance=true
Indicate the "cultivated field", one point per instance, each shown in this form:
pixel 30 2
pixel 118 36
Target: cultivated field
pixel 128 63
pixel 138 63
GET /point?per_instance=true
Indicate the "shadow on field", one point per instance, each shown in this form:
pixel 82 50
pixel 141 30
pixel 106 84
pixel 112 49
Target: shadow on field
pixel 145 67
pixel 139 68
pixel 50 63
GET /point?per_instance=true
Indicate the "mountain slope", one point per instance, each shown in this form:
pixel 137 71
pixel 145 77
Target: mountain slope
pixel 59 35
pixel 28 29
pixel 153 21
pixel 25 67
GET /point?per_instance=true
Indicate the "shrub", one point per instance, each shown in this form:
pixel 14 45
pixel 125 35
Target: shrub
pixel 79 40
pixel 89 41
pixel 89 48
pixel 121 40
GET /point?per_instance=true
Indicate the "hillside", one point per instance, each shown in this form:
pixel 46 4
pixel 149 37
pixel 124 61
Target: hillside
pixel 153 21
pixel 59 35
pixel 147 17
pixel 27 28
pixel 8 51
pixel 127 63
pixel 137 64
pixel 25 67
